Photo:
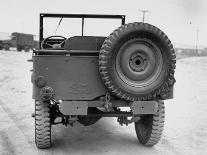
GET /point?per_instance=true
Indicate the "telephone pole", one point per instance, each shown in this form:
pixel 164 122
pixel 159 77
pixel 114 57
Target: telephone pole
pixel 143 14
pixel 197 40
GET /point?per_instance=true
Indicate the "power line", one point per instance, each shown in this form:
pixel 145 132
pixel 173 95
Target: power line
pixel 143 14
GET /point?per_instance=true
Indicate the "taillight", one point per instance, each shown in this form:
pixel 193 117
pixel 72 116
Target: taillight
pixel 46 93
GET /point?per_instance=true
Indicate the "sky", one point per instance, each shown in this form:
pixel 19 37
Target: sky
pixel 182 20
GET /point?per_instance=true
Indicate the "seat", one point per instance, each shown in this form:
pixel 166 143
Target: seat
pixel 92 43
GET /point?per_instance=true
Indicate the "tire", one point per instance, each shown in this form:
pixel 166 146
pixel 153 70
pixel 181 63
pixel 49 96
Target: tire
pixel 42 125
pixel 26 49
pixel 6 47
pixel 137 62
pixel 150 127
pixel 19 48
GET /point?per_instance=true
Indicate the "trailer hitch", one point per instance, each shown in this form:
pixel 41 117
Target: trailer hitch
pixel 124 120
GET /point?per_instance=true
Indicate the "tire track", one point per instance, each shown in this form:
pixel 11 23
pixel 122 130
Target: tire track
pixel 7 145
pixel 15 121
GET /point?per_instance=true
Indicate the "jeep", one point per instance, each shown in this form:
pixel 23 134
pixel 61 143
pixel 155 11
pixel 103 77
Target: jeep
pixel 83 78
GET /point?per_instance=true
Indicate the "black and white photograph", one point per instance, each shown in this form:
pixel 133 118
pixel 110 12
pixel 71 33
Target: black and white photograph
pixel 105 77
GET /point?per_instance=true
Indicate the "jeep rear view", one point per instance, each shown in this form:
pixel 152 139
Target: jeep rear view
pixel 82 78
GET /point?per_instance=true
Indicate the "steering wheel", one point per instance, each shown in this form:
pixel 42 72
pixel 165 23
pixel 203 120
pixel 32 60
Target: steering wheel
pixel 50 43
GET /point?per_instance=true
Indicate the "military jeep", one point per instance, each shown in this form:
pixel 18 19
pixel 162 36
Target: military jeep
pixel 83 78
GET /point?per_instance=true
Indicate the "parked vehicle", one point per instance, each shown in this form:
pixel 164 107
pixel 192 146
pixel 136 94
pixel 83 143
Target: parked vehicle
pixel 20 41
pixel 6 44
pixel 1 45
pixel 84 78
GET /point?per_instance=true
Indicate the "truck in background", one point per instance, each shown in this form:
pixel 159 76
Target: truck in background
pixel 20 41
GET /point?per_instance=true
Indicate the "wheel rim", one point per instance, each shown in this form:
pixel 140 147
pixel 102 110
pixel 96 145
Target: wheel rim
pixel 139 62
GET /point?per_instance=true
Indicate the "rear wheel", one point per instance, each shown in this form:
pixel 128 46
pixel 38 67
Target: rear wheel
pixel 6 47
pixel 19 48
pixel 42 124
pixel 150 127
pixel 26 49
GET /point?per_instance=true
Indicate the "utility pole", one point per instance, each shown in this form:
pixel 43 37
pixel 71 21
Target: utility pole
pixel 143 14
pixel 197 31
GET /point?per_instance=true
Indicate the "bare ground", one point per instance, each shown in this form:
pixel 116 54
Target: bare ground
pixel 185 128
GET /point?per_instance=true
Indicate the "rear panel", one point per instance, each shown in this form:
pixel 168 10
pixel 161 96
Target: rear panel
pixel 71 77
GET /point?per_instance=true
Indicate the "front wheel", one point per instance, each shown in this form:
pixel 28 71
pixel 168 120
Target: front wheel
pixel 42 124
pixel 150 127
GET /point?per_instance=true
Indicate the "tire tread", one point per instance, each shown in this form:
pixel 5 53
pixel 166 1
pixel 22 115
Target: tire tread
pixel 42 125
pixel 106 53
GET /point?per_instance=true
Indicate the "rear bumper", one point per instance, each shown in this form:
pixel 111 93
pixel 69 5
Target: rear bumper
pixel 81 107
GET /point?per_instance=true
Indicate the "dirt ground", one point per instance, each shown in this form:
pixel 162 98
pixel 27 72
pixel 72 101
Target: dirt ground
pixel 185 130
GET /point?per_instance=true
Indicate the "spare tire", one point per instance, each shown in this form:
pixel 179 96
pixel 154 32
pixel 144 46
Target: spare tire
pixel 137 62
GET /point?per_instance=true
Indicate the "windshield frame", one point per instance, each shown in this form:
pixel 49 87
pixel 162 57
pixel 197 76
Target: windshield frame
pixel 83 16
